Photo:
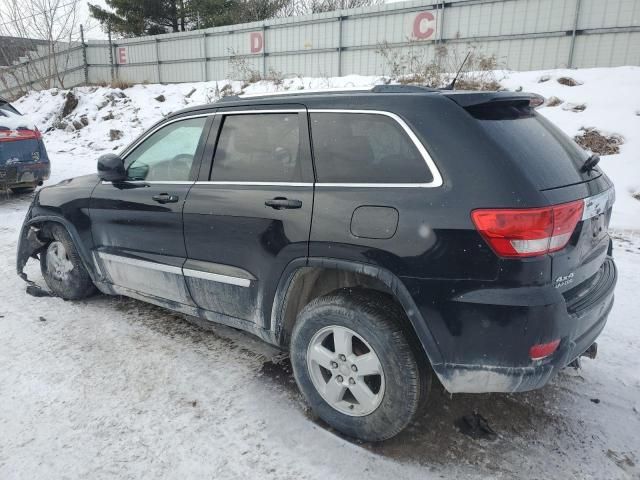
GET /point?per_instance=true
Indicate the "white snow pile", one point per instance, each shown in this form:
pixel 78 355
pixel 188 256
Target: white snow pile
pixel 105 119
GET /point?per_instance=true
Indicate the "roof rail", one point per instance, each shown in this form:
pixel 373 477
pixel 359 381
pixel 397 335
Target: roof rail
pixel 306 91
pixel 345 90
pixel 403 89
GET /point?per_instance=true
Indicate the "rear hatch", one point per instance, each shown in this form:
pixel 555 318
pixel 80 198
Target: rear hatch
pixel 20 142
pixel 554 163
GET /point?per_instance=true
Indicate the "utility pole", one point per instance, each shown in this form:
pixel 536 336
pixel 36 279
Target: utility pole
pixel 110 50
pixel 84 56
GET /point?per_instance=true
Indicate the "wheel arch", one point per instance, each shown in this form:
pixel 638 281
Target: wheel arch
pixel 299 284
pixel 31 242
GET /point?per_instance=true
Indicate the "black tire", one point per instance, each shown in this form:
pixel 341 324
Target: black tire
pixel 77 283
pixel 20 190
pixel 381 322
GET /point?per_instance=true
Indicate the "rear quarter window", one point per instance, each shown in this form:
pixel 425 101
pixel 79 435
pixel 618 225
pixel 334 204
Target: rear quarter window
pixel 365 148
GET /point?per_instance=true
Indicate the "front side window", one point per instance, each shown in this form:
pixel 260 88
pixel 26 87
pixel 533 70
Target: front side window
pixel 365 148
pixel 261 147
pixel 168 154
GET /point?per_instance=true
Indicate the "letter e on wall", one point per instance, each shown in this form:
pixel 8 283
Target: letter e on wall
pixel 122 55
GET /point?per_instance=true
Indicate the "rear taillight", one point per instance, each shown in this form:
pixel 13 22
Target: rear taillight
pixel 543 350
pixel 528 232
pixel 19 134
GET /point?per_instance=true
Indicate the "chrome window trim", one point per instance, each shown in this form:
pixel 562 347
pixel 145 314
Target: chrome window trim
pixel 437 177
pixel 433 169
pixel 258 184
pixel 217 277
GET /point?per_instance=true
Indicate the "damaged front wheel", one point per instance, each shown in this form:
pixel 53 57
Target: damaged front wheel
pixel 62 268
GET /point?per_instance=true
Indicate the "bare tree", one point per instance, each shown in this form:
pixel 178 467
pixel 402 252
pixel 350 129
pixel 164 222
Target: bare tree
pixel 305 7
pixel 49 28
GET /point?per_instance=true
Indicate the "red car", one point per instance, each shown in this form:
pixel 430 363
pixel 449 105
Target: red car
pixel 24 163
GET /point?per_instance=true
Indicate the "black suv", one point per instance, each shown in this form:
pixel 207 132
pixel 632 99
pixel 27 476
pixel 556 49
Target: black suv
pixel 381 236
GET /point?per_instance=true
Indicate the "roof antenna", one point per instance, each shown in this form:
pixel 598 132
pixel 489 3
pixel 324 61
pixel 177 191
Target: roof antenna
pixel 453 82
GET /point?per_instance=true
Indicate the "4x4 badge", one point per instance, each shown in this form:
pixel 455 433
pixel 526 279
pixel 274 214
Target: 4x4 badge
pixel 564 280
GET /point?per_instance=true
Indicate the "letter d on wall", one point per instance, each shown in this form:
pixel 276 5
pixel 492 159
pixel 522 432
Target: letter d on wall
pixel 256 42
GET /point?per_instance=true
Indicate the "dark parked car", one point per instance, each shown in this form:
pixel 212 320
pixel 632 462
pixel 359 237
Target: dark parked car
pixel 24 163
pixel 381 236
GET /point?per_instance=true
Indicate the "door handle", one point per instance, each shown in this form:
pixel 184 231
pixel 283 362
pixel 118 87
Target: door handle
pixel 165 198
pixel 282 203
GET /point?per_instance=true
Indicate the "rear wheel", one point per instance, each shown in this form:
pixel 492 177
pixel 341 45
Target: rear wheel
pixel 62 268
pixel 354 364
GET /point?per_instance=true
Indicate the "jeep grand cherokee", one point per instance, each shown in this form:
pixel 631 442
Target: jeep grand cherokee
pixel 381 236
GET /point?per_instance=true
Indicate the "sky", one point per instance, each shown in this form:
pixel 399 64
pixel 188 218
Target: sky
pixel 94 31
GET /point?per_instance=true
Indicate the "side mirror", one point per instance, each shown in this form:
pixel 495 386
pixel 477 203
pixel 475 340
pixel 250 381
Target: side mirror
pixel 111 168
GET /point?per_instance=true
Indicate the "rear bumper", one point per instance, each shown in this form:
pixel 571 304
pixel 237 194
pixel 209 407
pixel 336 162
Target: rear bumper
pixel 24 173
pixel 485 345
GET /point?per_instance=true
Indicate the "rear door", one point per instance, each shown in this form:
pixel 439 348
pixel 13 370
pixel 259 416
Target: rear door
pixel 250 214
pixel 137 224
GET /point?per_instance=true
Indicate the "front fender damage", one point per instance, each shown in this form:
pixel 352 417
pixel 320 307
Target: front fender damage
pixel 29 246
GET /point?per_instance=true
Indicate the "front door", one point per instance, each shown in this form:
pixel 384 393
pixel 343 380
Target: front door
pixel 137 224
pixel 252 215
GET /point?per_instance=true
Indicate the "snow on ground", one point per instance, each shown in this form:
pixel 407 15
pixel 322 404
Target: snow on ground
pixel 114 388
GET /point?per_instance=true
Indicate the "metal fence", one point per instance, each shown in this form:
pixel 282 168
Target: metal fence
pixel 523 34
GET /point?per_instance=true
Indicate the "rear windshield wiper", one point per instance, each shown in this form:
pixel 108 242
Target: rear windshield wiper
pixel 590 163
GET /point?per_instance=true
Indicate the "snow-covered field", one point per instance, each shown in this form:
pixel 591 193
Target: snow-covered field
pixel 114 388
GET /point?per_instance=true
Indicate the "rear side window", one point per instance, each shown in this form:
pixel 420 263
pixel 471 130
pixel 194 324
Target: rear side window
pixel 258 148
pixel 365 148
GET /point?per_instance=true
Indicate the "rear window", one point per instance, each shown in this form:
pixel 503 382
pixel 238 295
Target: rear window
pixel 550 158
pixel 7 107
pixel 365 148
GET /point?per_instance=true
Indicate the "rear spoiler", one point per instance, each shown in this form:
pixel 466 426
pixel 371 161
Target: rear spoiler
pixel 472 99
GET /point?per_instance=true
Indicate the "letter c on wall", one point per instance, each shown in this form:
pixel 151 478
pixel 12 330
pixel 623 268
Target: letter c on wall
pixel 255 39
pixel 423 18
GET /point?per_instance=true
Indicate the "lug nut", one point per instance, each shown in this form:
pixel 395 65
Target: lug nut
pixel 342 357
pixel 354 368
pixel 334 365
pixel 339 378
pixel 352 381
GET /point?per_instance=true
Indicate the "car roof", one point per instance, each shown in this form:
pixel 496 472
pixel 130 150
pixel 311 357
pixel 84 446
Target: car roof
pixel 380 96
